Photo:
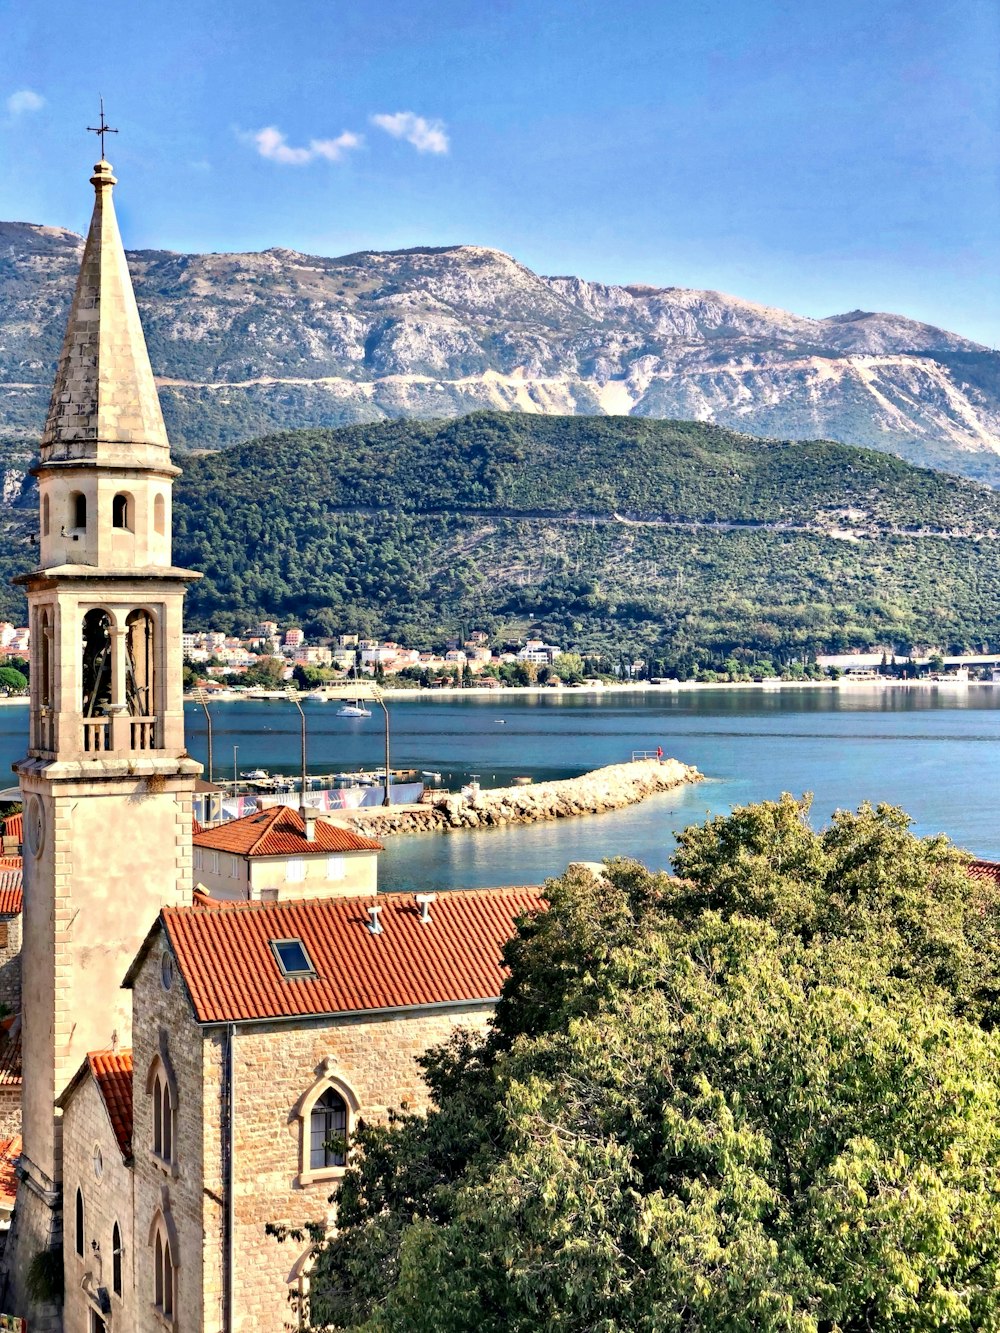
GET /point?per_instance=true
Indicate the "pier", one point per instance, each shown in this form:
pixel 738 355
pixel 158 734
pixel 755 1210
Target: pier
pixel 610 788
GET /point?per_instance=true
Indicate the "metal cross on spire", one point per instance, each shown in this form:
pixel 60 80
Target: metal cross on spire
pixel 102 129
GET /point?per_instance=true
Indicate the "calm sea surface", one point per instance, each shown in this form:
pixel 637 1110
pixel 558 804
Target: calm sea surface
pixel 934 751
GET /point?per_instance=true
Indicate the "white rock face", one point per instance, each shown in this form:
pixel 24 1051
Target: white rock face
pixel 244 343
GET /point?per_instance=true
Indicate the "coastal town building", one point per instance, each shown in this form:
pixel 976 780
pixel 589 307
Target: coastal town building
pixel 282 853
pixel 194 1063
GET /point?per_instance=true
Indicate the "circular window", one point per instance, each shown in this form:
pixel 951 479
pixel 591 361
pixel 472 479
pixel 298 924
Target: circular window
pixel 167 970
pixel 98 1162
pixel 34 825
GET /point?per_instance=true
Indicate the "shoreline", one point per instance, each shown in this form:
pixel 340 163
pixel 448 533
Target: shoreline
pixel 598 691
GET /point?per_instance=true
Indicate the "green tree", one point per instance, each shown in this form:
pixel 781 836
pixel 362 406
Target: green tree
pixel 569 668
pixel 12 681
pixel 763 1096
pixel 268 672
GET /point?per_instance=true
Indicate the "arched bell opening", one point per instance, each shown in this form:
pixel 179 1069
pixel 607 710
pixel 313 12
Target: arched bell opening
pixel 78 511
pixel 121 512
pixel 140 664
pixel 97 663
pixel 159 516
pixel 45 515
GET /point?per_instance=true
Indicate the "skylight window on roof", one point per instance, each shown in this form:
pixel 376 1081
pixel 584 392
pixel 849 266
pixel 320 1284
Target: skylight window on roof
pixel 292 958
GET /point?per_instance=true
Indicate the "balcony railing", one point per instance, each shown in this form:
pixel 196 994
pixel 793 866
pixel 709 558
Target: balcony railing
pixel 143 733
pixel 96 735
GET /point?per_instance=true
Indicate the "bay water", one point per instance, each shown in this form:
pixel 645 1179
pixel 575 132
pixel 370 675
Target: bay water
pixel 934 750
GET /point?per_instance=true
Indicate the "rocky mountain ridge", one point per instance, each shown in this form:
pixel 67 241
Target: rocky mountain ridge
pixel 246 343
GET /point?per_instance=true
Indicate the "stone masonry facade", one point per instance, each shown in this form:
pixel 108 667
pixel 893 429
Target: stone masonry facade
pixel 107 1199
pixel 279 1068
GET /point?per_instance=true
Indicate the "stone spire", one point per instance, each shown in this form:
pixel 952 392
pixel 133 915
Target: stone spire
pixel 104 407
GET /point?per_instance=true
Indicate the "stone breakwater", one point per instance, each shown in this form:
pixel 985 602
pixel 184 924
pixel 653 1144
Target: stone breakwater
pixel 609 788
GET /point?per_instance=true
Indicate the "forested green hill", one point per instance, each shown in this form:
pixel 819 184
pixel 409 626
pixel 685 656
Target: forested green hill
pixel 613 534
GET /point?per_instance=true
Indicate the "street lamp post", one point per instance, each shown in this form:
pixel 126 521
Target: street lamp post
pixel 381 701
pixel 295 700
pixel 208 723
pixel 236 787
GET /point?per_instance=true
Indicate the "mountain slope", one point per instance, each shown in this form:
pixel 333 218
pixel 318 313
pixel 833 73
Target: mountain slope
pixel 245 343
pixel 609 534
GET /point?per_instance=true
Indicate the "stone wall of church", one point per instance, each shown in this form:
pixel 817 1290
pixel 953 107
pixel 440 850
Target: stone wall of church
pixel 162 1024
pixel 10 962
pixel 107 1199
pixel 279 1070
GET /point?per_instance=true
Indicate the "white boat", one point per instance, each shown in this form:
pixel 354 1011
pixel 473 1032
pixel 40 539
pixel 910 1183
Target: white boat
pixel 427 773
pixel 257 775
pixel 356 709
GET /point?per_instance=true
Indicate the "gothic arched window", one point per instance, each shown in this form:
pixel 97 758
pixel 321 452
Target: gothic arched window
pixel 140 670
pixel 120 506
pixel 78 510
pixel 116 1260
pixel 160 515
pixel 160 1086
pixel 96 662
pixel 45 515
pixel 78 1231
pixel 328 1131
pixel 164 1269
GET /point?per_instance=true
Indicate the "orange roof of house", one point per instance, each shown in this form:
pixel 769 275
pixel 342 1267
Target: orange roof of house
pixel 280 831
pixel 10 1151
pixel 985 870
pixel 112 1071
pixel 231 973
pixel 11 895
pixel 13 826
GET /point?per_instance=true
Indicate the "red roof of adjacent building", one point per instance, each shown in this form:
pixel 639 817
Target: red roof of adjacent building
pixel 112 1071
pixel 280 831
pixel 232 975
pixel 985 870
pixel 11 896
pixel 10 1151
pixel 13 827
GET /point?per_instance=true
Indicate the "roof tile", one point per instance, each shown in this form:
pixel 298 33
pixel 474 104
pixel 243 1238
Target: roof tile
pixel 280 831
pixel 112 1071
pixel 10 1151
pixel 231 974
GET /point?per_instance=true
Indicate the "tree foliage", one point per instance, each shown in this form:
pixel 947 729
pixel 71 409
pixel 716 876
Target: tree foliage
pixel 764 1095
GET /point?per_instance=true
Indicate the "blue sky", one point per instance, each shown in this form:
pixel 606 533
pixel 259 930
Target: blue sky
pixel 813 155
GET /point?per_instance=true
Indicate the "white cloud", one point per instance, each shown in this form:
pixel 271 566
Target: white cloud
pixel 334 149
pixel 427 136
pixel 272 144
pixel 24 100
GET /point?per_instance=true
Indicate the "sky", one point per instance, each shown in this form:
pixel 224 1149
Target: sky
pixel 814 155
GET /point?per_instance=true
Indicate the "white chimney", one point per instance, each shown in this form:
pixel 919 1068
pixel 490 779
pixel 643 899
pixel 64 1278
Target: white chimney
pixel 309 817
pixel 374 925
pixel 423 901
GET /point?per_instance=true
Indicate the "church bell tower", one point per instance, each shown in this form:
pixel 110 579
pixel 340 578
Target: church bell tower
pixel 107 782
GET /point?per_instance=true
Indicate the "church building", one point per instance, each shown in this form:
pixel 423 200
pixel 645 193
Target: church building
pixel 193 1062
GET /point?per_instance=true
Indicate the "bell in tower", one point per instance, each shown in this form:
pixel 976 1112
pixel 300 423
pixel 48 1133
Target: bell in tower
pixel 107 782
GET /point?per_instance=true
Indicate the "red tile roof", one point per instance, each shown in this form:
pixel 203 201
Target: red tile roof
pixel 280 831
pixel 112 1071
pixel 985 870
pixel 13 827
pixel 11 896
pixel 231 974
pixel 10 1051
pixel 10 1151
